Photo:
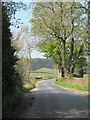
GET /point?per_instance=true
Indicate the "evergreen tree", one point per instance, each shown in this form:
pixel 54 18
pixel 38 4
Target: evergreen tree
pixel 8 59
pixel 11 80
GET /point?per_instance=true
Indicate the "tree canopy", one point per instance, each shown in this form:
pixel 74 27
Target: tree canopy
pixel 64 23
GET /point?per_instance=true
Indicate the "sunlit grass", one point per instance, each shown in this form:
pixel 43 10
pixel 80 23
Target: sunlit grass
pixel 71 85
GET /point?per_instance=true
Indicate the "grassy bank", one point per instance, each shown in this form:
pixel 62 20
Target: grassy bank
pixel 78 84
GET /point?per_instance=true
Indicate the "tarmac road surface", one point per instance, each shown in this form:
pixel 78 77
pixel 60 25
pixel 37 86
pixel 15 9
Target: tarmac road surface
pixel 55 102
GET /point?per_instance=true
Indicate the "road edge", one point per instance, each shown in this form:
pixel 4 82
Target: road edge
pixel 35 89
pixel 72 90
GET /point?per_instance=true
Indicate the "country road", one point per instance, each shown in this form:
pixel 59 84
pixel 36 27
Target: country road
pixel 56 102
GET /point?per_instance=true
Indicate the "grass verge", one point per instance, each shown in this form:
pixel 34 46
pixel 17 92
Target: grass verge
pixel 69 85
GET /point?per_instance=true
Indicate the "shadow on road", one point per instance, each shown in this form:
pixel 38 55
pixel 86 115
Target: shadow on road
pixel 61 105
pixel 54 102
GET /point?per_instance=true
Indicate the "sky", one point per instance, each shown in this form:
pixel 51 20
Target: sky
pixel 25 17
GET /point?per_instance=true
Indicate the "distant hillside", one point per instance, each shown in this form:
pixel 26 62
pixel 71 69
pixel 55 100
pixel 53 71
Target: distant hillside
pixel 38 63
pixel 45 70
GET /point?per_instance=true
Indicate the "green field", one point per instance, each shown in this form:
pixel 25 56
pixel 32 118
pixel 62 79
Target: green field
pixel 44 72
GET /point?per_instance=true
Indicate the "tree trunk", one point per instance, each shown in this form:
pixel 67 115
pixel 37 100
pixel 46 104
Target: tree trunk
pixel 58 71
pixel 59 76
pixel 64 73
pixel 81 72
pixel 70 60
pixel 75 60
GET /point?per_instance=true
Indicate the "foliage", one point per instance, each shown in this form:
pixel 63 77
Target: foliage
pixel 50 24
pixel 70 76
pixel 11 80
pixel 27 87
pixel 12 8
pixel 51 50
pixel 9 101
pixel 22 67
pixel 9 74
pixel 81 65
pixel 81 61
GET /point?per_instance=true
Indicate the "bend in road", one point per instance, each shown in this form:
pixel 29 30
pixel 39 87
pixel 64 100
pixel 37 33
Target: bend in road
pixel 56 102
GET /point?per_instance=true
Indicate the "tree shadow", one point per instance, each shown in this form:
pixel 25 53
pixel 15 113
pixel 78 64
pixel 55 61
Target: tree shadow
pixel 53 104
